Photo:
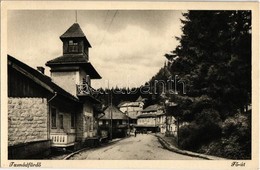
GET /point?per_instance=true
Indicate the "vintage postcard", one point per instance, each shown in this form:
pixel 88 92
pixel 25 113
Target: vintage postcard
pixel 169 85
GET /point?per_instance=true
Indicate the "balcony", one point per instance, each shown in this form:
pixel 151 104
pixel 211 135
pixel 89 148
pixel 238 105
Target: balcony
pixel 62 140
pixel 84 90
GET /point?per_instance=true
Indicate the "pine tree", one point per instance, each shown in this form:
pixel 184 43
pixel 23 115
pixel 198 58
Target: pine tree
pixel 214 59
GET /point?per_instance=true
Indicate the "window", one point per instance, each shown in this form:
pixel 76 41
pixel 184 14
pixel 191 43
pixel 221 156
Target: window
pixel 73 46
pixel 61 121
pixel 72 121
pixel 91 124
pixel 53 117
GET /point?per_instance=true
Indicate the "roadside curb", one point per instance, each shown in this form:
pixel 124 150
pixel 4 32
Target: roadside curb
pixel 73 153
pixel 184 152
pixel 76 152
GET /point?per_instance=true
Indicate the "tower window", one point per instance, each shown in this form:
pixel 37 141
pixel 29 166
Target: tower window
pixel 73 46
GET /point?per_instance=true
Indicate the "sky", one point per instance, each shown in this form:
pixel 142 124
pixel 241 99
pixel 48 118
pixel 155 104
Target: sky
pixel 128 46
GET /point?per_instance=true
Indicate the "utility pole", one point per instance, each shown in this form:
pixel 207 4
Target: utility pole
pixel 111 114
pixel 166 119
pixel 76 16
pixel 111 123
pixel 128 130
pixel 178 131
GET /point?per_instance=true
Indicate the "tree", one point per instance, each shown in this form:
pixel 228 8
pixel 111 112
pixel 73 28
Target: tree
pixel 214 58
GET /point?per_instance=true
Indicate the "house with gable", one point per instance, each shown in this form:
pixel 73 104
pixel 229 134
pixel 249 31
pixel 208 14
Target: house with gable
pixel 35 104
pixel 114 118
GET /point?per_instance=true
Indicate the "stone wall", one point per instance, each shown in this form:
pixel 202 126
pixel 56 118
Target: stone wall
pixel 27 120
pixel 32 150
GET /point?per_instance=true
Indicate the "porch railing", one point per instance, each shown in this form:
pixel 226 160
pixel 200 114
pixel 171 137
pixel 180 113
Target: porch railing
pixel 62 140
pixel 84 89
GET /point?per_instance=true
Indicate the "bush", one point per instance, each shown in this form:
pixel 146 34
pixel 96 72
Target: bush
pixel 203 130
pixel 188 137
pixel 236 139
pixel 237 136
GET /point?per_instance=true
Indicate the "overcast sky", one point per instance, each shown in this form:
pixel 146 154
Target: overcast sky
pixel 128 46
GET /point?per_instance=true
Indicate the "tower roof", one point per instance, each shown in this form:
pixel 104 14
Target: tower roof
pixel 74 31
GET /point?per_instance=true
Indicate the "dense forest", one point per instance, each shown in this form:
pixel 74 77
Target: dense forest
pixel 213 58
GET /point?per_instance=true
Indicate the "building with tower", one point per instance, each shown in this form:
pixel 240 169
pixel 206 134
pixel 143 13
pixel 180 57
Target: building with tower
pixel 55 111
pixel 73 72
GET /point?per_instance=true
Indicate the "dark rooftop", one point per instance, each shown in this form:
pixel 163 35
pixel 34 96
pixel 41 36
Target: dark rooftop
pixel 153 108
pixel 74 32
pixel 147 115
pixel 68 58
pixel 43 78
pixel 116 113
pixel 75 59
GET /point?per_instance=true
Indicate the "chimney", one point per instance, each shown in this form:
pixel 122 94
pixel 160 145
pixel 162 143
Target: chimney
pixel 41 69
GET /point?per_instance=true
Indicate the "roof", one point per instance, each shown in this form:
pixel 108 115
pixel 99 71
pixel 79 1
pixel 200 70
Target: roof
pixel 130 104
pixel 147 115
pixel 120 104
pixel 68 58
pixel 74 31
pixel 152 108
pixel 41 79
pixel 75 59
pixel 149 125
pixel 156 114
pixel 132 117
pixel 140 99
pixel 116 113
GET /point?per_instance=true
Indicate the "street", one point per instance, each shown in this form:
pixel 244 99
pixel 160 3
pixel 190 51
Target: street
pixel 141 147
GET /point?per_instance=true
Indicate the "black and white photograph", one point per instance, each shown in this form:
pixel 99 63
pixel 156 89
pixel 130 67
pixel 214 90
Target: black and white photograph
pixel 130 84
